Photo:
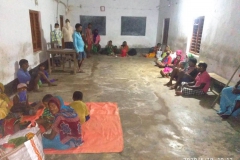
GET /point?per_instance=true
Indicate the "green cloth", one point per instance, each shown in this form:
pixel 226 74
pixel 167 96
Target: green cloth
pixel 47 113
pixel 110 49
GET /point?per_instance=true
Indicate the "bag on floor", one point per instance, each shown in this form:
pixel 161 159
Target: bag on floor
pixel 132 52
pixel 30 150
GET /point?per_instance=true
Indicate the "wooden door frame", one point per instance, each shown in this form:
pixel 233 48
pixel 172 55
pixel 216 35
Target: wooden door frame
pixel 61 25
pixel 163 35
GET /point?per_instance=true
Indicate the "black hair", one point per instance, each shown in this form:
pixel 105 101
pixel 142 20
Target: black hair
pixel 67 20
pixel 89 24
pixel 77 95
pixel 202 64
pixel 77 25
pixel 56 24
pixel 47 97
pixel 41 65
pixel 110 41
pixel 22 62
pixel 159 44
pixel 193 60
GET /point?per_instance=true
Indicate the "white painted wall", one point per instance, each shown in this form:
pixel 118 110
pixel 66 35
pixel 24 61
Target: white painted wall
pixel 15 33
pixel 220 40
pixel 114 9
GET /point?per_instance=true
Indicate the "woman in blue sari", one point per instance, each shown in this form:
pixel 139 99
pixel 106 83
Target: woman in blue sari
pixel 66 128
pixel 230 101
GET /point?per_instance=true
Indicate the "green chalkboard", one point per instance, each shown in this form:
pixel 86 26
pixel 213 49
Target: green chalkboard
pixel 98 22
pixel 133 26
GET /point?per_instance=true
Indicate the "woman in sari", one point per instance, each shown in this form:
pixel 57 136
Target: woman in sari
pixel 3 96
pixel 169 68
pixel 230 101
pixel 96 41
pixel 167 60
pixel 66 128
pixel 153 51
pixel 89 39
pixel 124 49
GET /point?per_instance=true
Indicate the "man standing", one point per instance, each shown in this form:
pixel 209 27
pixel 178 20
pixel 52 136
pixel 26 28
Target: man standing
pixel 89 39
pixel 78 44
pixel 67 32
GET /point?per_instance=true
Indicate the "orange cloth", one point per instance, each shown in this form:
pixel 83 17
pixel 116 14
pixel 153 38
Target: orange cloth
pixel 32 118
pixel 102 133
pixel 151 55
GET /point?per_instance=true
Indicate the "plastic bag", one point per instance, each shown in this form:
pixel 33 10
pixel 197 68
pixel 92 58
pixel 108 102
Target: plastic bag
pixel 30 150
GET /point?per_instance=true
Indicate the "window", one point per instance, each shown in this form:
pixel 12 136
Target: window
pixel 196 35
pixel 35 29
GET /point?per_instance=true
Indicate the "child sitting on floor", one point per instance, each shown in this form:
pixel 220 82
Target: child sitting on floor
pixel 80 107
pixel 20 102
pixel 42 70
pixel 46 119
pixel 124 49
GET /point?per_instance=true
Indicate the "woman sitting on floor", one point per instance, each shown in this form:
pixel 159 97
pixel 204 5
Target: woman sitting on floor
pixel 110 49
pixel 230 101
pixel 169 68
pixel 66 128
pixel 187 75
pixel 124 49
pixel 167 60
pixel 153 51
pixel 3 96
pixel 164 53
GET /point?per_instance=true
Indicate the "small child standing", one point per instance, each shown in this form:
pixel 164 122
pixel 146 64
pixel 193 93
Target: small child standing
pixel 80 107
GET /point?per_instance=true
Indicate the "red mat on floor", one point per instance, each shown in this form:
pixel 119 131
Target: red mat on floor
pixel 101 134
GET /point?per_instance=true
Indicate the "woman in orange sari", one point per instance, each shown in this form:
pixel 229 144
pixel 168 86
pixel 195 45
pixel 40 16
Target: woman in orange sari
pixel 124 49
pixel 153 51
pixel 89 39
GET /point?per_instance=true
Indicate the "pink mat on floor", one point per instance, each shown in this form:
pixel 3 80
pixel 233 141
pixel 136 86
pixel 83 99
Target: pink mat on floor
pixel 101 134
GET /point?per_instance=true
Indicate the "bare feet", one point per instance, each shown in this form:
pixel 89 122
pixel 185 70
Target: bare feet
pixel 173 87
pixel 178 93
pixel 162 74
pixel 80 71
pixel 168 84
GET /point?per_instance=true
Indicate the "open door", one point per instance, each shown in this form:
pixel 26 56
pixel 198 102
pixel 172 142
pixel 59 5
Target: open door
pixel 165 31
pixel 61 25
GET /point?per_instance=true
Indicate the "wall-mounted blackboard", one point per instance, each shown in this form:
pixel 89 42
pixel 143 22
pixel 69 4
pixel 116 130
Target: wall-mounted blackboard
pixel 98 22
pixel 134 26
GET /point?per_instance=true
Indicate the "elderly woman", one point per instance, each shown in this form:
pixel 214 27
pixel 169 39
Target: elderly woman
pixel 66 128
pixel 230 101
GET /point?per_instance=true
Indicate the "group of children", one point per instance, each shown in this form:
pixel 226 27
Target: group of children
pixel 12 111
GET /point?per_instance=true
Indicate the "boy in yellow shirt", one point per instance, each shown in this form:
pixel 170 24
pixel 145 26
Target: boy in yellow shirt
pixel 80 107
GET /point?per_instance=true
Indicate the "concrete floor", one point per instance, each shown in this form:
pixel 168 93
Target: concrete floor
pixel 156 124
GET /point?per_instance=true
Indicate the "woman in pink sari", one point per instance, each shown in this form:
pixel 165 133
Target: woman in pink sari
pixel 169 68
pixel 96 41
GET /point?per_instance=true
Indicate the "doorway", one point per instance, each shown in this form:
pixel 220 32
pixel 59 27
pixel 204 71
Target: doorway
pixel 61 26
pixel 165 31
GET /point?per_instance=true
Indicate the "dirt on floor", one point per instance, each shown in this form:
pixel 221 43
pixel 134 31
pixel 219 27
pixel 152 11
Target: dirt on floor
pixel 157 125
